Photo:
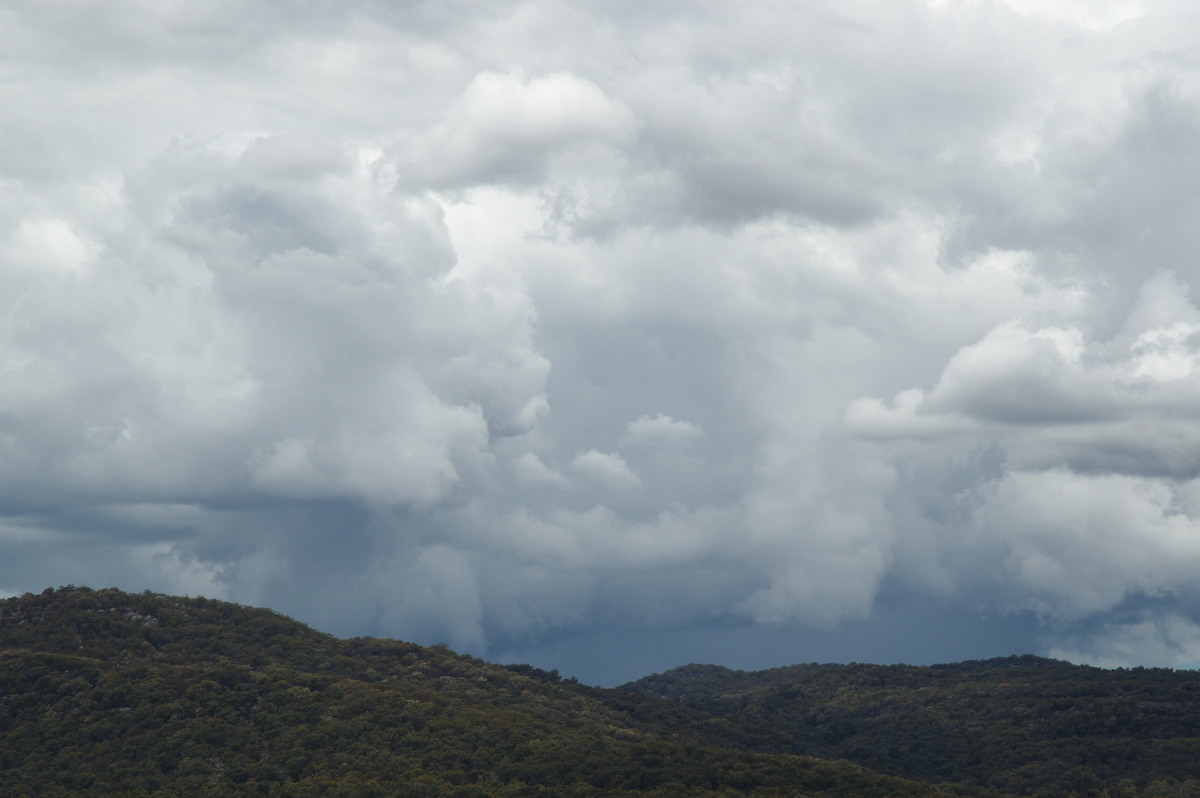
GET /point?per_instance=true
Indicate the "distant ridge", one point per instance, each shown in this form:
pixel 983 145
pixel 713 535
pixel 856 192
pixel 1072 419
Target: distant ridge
pixel 1014 661
pixel 1020 724
pixel 697 679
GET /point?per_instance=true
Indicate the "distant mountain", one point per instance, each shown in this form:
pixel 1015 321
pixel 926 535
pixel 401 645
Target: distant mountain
pixel 105 693
pixel 1021 725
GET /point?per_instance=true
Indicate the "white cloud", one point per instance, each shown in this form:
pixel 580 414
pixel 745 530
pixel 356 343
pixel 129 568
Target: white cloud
pixel 1102 16
pixel 660 428
pixel 366 312
pixel 49 244
pixel 1056 399
pixel 506 128
pixel 1073 546
pixel 530 470
pixel 608 470
pixel 871 418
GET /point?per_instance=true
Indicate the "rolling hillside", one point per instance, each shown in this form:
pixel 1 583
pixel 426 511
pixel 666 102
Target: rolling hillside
pixel 110 693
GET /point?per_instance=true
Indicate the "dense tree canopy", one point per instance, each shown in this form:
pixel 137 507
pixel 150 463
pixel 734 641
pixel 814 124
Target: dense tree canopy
pixel 1023 725
pixel 108 693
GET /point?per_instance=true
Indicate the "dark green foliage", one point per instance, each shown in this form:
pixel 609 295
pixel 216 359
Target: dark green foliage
pixel 107 693
pixel 1021 725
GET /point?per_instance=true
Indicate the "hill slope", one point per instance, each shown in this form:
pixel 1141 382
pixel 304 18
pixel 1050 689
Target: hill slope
pixel 110 693
pixel 1021 725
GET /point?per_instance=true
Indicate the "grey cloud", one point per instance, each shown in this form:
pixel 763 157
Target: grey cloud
pixel 1144 640
pixel 526 326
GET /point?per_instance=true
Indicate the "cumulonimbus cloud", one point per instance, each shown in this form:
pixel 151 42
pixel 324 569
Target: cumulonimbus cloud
pixel 504 324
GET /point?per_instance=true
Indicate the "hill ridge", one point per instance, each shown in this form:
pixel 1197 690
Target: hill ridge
pixel 104 692
pixel 1022 724
pixel 110 693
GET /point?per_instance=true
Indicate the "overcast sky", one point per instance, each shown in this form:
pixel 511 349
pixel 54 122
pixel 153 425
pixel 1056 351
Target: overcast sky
pixel 613 335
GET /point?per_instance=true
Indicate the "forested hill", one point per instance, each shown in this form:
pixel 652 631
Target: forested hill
pixel 107 693
pixel 1022 725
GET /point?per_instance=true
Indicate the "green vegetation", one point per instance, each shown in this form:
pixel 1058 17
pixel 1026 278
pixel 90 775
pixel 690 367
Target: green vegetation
pixel 107 693
pixel 1020 725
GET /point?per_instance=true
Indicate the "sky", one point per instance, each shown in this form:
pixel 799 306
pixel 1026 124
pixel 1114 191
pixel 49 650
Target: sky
pixel 611 336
